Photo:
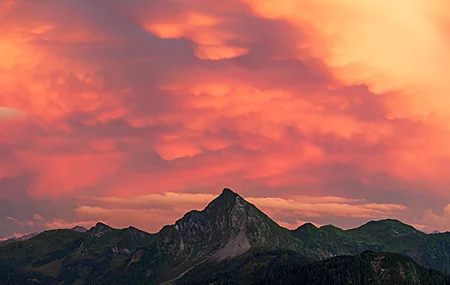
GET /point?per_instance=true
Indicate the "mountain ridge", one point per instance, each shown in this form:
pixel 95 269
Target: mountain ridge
pixel 7 240
pixel 228 227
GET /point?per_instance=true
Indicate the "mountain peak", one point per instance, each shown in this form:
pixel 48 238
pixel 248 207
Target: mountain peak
pixel 227 227
pixel 388 223
pixel 307 227
pixel 330 228
pixel 79 229
pixel 101 225
pixel 99 229
pixel 392 226
pixel 307 230
pixel 228 191
pixel 227 199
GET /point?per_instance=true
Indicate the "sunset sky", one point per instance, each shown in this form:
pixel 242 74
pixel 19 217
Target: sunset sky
pixel 134 112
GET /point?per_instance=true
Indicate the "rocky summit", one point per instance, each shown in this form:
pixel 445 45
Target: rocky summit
pixel 229 236
pixel 227 227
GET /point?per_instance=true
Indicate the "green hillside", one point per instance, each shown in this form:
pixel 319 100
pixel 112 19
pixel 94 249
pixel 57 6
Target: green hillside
pixel 287 267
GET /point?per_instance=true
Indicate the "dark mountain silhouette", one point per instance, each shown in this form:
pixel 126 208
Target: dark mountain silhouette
pixel 229 232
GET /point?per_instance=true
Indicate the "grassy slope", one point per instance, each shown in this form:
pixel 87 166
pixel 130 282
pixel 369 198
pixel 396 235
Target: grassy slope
pixel 278 267
pixel 387 235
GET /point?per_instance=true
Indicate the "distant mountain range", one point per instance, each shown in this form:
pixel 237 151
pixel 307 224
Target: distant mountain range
pixel 79 229
pixel 7 240
pixel 230 242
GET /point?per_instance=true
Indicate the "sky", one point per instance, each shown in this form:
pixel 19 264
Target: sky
pixel 135 112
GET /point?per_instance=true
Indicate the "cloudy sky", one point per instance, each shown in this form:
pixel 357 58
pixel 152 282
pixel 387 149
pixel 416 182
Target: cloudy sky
pixel 133 112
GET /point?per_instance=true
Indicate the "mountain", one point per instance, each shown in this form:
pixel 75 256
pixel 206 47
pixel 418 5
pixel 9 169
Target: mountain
pixel 5 241
pixel 288 267
pixel 389 235
pixel 79 229
pixel 227 227
pixel 228 230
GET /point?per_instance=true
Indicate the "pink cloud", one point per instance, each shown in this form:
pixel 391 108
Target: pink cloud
pixel 436 221
pixel 274 99
pixel 38 217
pixel 62 224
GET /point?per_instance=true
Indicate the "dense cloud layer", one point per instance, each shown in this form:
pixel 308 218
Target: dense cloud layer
pixel 322 111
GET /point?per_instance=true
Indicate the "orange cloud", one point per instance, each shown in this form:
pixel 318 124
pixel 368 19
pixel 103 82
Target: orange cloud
pixel 161 199
pixel 436 221
pixel 62 224
pixel 203 30
pixel 362 210
pixel 150 220
pixel 38 217
pixel 31 224
pixel 284 99
pixel 64 174
pixel 7 113
pixel 360 41
pixel 218 52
